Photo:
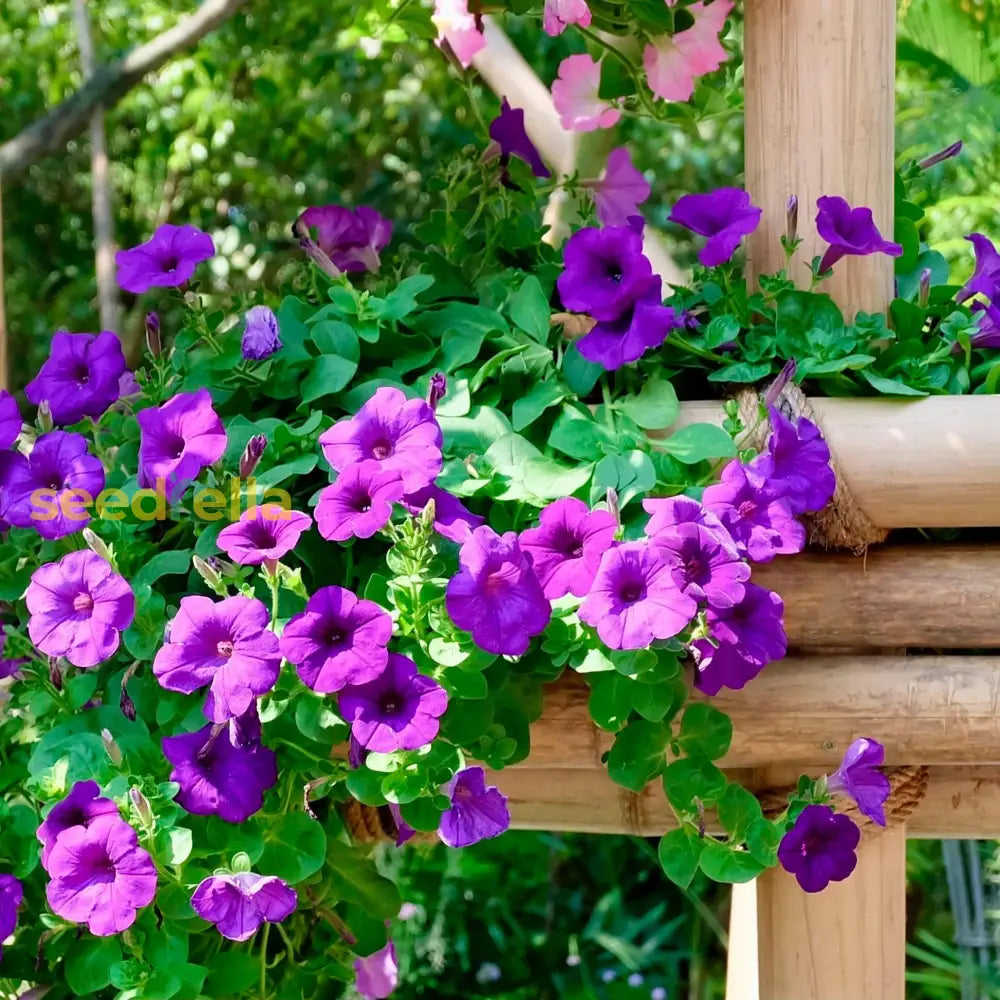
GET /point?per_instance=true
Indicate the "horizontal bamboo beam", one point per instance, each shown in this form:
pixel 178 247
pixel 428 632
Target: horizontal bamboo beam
pixel 960 802
pixel 804 711
pixel 927 463
pixel 925 596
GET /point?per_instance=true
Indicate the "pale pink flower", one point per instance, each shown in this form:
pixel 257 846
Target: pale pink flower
pixel 672 62
pixel 458 27
pixel 559 14
pixel 575 96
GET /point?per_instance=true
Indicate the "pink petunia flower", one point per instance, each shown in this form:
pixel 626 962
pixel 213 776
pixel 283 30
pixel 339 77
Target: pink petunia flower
pixel 559 14
pixel 576 98
pixel 458 27
pixel 265 532
pixel 673 62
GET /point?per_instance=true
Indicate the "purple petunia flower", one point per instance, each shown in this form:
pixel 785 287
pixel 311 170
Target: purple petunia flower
pixel 11 895
pixel 849 231
pixel 567 546
pixel 79 607
pixel 709 567
pixel 226 644
pixel 351 239
pixel 260 334
pixel 797 463
pixel 339 639
pixel 620 191
pixel 668 512
pixel 761 523
pixel 744 639
pixel 166 260
pixel 496 595
pixel 9 666
pixel 819 848
pixel 476 812
pixel 635 597
pixel 218 778
pixel 10 420
pixel 377 976
pixel 644 324
pixel 399 710
pixel 452 519
pixel 245 731
pixel 359 503
pixel 238 904
pixel 268 531
pixel 858 778
pixel 725 216
pixel 179 439
pixel 81 807
pixel 100 876
pixel 400 434
pixel 52 490
pixel 13 468
pixel 985 278
pixel 605 270
pixel 508 130
pixel 80 377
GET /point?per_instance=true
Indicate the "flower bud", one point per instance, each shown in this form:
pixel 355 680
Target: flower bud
pixel 45 421
pixel 437 389
pixel 941 155
pixel 241 862
pixel 614 507
pixel 142 807
pixel 97 545
pixel 114 751
pixel 792 219
pixel 209 575
pixel 777 387
pixel 924 295
pixel 55 673
pixel 127 705
pixel 252 455
pixel 153 342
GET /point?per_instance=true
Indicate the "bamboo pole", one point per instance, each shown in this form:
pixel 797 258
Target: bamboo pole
pixel 3 306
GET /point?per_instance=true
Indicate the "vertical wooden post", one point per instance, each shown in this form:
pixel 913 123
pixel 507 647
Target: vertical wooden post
pixel 820 83
pixel 3 307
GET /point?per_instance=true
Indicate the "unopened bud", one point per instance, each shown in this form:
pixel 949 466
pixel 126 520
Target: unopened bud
pixel 112 749
pixel 153 342
pixel 127 705
pixel 493 151
pixel 97 545
pixel 209 575
pixel 241 862
pixel 778 386
pixel 45 421
pixel 614 506
pixel 252 455
pixel 792 218
pixel 924 294
pixel 427 515
pixel 437 389
pixel 55 673
pixel 941 155
pixel 142 807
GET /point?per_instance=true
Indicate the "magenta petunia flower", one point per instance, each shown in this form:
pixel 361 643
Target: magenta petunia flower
pixel 668 512
pixel 351 238
pixel 377 975
pixel 226 644
pixel 80 377
pixel 239 903
pixel 725 216
pixel 761 523
pixel 100 876
pixel 359 503
pixel 567 546
pixel 559 14
pixel 576 96
pixel 985 279
pixel 52 490
pixel 81 807
pixel 260 334
pixel 496 595
pixel 635 599
pixel 709 568
pixel 459 28
pixel 218 778
pixel 179 439
pixel 620 190
pixel 744 639
pixel 858 778
pixel 849 231
pixel 508 130
pixel 11 896
pixel 820 848
pixel 338 640
pixel 10 420
pixel 399 710
pixel 477 812
pixel 79 606
pixel 166 260
pixel 400 434
pixel 265 531
pixel 452 519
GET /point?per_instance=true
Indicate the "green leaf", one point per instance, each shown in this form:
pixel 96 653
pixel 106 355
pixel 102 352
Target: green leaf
pixel 581 375
pixel 721 330
pixel 890 387
pixel 737 809
pixel 473 434
pixel 89 962
pixel 638 754
pixel 657 702
pixel 763 838
pixel 679 853
pixel 547 479
pixel 741 372
pixel 354 878
pixel 610 700
pixel 705 731
pixel 685 780
pixel 460 328
pixel 527 409
pixel 656 406
pixel 294 847
pixel 162 564
pixel 529 309
pixel 335 337
pixel 629 475
pixel 698 442
pixel 328 374
pixel 724 863
pixel 578 436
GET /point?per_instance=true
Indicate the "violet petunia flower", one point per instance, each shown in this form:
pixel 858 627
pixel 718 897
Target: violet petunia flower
pixel 605 269
pixel 80 377
pixel 476 813
pixel 399 710
pixel 674 62
pixel 576 96
pixel 226 644
pixel 985 279
pixel 53 489
pixel 858 779
pixel 260 334
pixel 246 731
pixel 81 807
pixel 725 216
pixel 797 463
pixel 79 606
pixel 459 28
pixel 10 420
pixel 166 260
pixel 849 231
pixel 13 468
pixel 452 519
pixel 620 190
pixel 218 778
pixel 351 238
pixel 820 848
pixel 179 439
pixel 339 639
pixel 11 896
pixel 744 640
pixel 709 568
pixel 508 130
pixel 644 324
pixel 239 903
pixel 267 531
pixel 400 434
pixel 635 597
pixel 567 546
pixel 668 512
pixel 359 503
pixel 496 595
pixel 377 976
pixel 9 666
pixel 760 521
pixel 987 335
pixel 100 876
pixel 560 14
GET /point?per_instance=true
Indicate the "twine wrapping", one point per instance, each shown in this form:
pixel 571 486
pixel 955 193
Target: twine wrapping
pixel 376 824
pixel 842 524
